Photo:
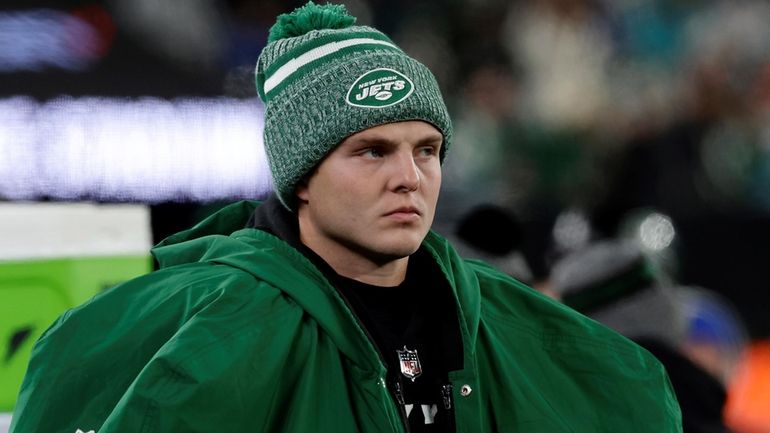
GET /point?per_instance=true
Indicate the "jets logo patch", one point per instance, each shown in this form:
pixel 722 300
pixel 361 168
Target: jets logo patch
pixel 379 88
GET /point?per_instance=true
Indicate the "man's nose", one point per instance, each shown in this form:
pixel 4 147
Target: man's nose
pixel 406 174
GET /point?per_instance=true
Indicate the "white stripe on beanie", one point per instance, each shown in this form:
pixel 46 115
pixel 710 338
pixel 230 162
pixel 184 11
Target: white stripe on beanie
pixel 290 67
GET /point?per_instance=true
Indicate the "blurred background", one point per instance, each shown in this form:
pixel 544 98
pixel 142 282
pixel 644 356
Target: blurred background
pixel 576 121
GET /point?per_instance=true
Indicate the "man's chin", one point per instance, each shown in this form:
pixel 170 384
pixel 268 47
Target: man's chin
pixel 389 247
pixel 391 253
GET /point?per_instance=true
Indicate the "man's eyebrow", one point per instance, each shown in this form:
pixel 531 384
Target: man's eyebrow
pixel 376 140
pixel 431 139
pixel 383 140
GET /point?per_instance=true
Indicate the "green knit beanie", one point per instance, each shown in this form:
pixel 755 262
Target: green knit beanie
pixel 323 79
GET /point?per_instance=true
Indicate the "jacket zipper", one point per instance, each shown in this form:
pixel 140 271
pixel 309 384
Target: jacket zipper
pixel 446 393
pixel 399 393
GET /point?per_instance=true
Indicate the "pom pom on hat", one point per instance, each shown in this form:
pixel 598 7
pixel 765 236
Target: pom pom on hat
pixel 310 17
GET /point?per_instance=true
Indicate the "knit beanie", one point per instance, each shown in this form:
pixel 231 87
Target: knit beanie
pixel 615 283
pixel 323 79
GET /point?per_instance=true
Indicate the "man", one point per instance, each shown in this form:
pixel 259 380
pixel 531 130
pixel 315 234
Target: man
pixel 331 307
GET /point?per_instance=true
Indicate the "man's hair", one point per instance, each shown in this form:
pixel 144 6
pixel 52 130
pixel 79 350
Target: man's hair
pixel 323 79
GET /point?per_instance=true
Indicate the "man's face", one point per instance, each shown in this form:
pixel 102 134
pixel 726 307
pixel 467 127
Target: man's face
pixel 374 196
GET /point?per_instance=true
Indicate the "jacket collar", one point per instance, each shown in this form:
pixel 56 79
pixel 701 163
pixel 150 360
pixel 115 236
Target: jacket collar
pixel 271 216
pixel 268 240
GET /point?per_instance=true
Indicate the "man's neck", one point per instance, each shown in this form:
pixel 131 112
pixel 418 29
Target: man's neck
pixel 390 274
pixel 384 272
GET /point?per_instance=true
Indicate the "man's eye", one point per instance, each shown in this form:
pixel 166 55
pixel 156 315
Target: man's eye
pixel 372 152
pixel 427 151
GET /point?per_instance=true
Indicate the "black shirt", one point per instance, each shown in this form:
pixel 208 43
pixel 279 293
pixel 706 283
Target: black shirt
pixel 413 325
pixel 405 323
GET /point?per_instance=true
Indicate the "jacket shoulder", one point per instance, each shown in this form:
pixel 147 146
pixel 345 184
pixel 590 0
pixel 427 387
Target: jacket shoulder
pixel 89 359
pixel 574 357
pixel 508 303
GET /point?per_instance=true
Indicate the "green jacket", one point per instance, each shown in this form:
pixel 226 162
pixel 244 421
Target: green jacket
pixel 239 332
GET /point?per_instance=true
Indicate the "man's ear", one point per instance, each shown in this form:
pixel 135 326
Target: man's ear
pixel 301 191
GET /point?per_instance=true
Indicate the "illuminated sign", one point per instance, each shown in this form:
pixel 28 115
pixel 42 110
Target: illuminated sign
pixel 146 149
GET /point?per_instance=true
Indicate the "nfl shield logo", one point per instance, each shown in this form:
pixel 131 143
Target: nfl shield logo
pixel 410 363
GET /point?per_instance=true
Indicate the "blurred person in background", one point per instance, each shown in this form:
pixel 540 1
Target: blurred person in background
pixel 615 283
pixel 331 306
pixel 493 234
pixel 715 336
